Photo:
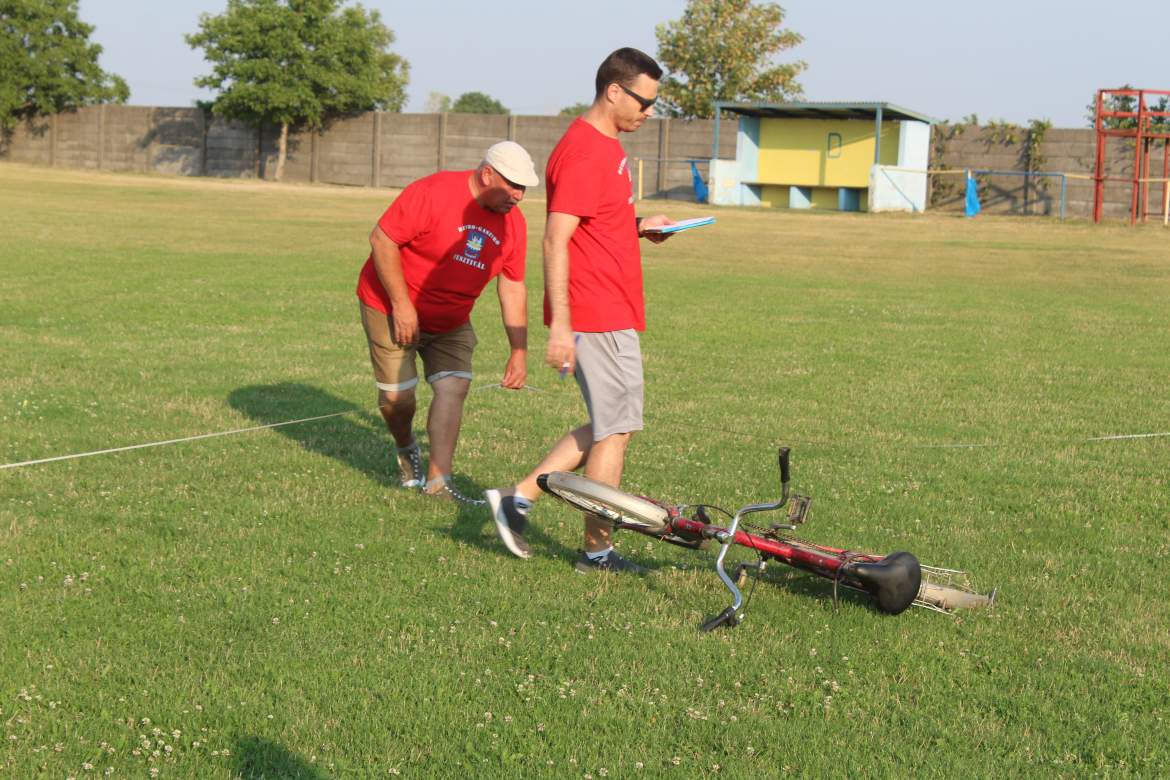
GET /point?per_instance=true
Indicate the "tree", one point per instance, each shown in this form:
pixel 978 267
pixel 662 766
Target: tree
pixel 724 50
pixel 477 103
pixel 438 103
pixel 47 62
pixel 298 63
pixel 1128 104
pixel 1120 103
pixel 577 109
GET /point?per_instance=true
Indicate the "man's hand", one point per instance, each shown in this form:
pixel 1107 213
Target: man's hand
pixel 659 220
pixel 405 323
pixel 516 372
pixel 562 348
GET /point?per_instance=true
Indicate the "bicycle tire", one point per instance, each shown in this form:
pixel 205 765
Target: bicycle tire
pixel 607 501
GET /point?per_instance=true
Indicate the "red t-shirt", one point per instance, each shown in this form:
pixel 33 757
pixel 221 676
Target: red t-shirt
pixel 588 176
pixel 451 248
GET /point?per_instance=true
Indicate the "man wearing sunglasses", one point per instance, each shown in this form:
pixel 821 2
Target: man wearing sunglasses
pixel 593 302
pixel 432 253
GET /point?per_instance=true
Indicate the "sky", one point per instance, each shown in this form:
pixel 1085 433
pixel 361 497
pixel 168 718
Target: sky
pixel 1013 60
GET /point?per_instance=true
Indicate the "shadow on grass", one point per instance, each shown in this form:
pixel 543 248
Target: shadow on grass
pixel 782 577
pixel 261 759
pixel 359 440
pixel 355 439
pixel 474 525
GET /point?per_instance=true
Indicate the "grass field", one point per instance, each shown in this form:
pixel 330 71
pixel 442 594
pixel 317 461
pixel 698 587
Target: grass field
pixel 270 604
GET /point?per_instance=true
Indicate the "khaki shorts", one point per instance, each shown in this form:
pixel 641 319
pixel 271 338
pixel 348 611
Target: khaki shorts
pixel 443 354
pixel 609 372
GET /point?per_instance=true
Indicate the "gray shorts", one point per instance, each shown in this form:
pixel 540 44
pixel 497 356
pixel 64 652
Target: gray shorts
pixel 609 373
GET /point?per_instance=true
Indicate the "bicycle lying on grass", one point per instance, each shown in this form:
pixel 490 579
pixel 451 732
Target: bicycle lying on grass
pixel 895 581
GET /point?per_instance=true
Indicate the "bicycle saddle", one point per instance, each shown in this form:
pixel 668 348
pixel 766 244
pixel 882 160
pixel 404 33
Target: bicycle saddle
pixel 893 581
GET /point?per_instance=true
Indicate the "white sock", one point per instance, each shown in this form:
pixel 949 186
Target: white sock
pixel 597 556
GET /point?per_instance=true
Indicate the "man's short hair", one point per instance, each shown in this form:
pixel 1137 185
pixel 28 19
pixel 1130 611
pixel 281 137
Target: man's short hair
pixel 623 67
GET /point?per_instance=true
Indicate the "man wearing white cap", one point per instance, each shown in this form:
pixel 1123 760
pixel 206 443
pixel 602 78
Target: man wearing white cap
pixel 432 253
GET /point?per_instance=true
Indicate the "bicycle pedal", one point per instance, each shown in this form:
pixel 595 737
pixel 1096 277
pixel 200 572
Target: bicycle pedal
pixel 798 511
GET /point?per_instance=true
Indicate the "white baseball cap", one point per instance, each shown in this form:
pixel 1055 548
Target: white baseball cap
pixel 512 162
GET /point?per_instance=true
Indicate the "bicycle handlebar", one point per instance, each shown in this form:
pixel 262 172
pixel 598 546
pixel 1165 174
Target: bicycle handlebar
pixel 728 537
pixel 785 474
pixel 727 616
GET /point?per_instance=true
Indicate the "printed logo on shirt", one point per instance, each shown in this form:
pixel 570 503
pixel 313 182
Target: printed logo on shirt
pixel 622 165
pixel 476 237
pixel 474 244
pixel 482 231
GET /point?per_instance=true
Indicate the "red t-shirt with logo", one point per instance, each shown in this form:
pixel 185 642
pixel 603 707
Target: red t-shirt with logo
pixel 451 248
pixel 588 176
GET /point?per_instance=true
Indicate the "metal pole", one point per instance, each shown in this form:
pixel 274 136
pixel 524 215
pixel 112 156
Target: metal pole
pixel 639 178
pixel 53 141
pixel 1137 161
pixel 663 153
pixel 1063 192
pixel 715 145
pixel 1099 171
pixel 1165 204
pixel 313 155
pixel 1145 202
pixel 1165 173
pixel 877 146
pixel 376 153
pixel 146 163
pixel 101 149
pixel 203 132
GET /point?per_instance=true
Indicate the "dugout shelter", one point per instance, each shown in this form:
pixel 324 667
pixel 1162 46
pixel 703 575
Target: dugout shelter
pixel 836 156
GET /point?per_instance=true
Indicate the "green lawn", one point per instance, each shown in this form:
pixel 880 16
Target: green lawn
pixel 271 604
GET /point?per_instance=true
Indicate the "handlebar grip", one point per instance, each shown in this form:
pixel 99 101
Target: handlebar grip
pixel 784 464
pixel 726 616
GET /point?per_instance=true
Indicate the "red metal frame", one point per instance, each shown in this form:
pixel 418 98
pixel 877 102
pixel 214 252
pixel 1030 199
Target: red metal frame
pixel 815 558
pixel 1144 137
pixel 823 561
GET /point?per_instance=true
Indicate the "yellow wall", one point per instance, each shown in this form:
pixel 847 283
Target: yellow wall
pixel 795 151
pixel 775 195
pixel 824 198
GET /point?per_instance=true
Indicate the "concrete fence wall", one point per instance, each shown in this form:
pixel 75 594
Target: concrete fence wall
pixel 1068 151
pixel 391 150
pixel 376 149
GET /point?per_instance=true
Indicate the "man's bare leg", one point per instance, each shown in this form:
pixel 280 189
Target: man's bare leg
pixel 397 407
pixel 443 421
pixel 566 455
pixel 604 464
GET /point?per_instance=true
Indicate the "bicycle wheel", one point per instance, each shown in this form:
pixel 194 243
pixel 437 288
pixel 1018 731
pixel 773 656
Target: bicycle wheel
pixel 607 501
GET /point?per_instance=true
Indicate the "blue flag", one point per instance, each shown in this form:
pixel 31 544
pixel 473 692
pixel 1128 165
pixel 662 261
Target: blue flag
pixel 973 207
pixel 700 185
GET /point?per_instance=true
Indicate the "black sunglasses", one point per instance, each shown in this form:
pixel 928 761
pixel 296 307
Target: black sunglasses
pixel 643 103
